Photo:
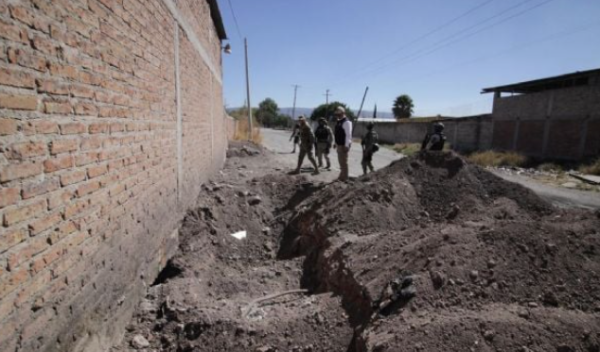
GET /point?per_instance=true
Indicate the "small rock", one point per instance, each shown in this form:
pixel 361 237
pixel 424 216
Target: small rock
pixel 139 342
pixel 569 185
pixel 474 275
pixel 550 299
pixel 532 304
pixel 489 335
pixel 254 200
pixel 438 279
pixel 491 263
pixel 453 213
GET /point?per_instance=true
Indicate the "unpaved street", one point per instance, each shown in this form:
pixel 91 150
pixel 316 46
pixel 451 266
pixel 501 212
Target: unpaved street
pixel 428 254
pixel 278 142
pixel 560 197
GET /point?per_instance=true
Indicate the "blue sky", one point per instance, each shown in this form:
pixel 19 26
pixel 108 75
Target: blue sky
pixel 440 52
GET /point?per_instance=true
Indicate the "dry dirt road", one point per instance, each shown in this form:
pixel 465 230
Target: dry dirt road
pixel 278 142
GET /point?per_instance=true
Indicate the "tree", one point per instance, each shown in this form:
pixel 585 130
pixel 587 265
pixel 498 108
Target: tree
pixel 327 110
pixel 267 112
pixel 403 107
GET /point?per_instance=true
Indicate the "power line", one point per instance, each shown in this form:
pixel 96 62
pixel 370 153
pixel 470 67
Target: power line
pixel 327 95
pixel 443 43
pixel 237 26
pixel 433 31
pixel 447 40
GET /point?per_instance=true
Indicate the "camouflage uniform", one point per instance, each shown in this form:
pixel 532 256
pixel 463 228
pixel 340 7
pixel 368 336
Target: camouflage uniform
pixel 324 136
pixel 307 141
pixel 368 143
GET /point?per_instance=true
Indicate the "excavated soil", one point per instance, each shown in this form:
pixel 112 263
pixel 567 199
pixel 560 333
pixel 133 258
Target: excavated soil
pixel 428 254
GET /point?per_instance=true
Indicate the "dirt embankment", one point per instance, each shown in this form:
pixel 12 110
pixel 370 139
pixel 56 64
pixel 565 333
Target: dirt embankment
pixel 429 254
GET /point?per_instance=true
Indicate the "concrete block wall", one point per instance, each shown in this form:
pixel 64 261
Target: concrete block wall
pixel 464 134
pixel 554 124
pixel 111 117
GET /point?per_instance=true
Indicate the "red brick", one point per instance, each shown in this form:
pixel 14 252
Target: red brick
pixel 63 146
pixel 117 127
pixel 18 171
pixel 45 126
pixel 10 282
pixel 52 87
pixel 82 159
pixel 72 128
pixel 86 109
pixel 27 59
pixel 92 142
pixel 36 285
pixel 62 231
pixel 35 189
pixel 52 165
pixel 44 224
pixel 72 177
pixel 87 188
pixel 8 126
pixel 63 71
pixel 14 78
pixel 12 238
pixel 98 127
pixel 96 171
pixel 18 102
pixel 76 208
pixel 44 45
pixel 58 107
pixel 82 91
pixel 26 150
pixel 13 33
pixel 22 14
pixel 25 212
pixel 58 199
pixel 8 196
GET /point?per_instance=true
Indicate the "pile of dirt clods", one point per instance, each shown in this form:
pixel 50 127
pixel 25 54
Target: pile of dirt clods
pixel 428 254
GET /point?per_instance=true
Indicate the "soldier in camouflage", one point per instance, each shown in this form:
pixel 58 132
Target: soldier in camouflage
pixel 307 141
pixel 369 146
pixel 324 136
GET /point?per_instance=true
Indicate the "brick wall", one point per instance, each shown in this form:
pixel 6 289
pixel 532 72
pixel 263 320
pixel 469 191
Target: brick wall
pixel 553 124
pixel 99 158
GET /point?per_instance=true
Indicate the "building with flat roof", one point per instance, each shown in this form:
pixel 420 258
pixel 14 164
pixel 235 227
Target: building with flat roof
pixel 555 117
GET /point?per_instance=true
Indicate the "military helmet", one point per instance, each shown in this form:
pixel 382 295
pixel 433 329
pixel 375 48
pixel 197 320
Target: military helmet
pixel 438 127
pixel 322 119
pixel 370 125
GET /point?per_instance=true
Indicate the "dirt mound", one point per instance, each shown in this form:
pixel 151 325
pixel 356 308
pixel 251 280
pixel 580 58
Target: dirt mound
pixel 484 257
pixel 428 254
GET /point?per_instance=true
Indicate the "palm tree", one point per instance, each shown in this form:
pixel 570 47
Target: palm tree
pixel 403 107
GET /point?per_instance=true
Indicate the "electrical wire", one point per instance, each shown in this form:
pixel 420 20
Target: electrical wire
pixel 448 40
pixel 237 26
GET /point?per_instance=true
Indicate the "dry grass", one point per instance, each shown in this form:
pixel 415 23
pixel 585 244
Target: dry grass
pixel 495 159
pixel 407 149
pixel 550 167
pixel 591 169
pixel 241 132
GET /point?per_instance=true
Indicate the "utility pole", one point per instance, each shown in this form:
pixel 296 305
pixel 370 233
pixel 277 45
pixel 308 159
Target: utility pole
pixel 294 107
pixel 249 106
pixel 327 95
pixel 362 103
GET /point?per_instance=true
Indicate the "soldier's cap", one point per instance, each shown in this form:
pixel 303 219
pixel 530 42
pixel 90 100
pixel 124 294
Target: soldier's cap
pixel 301 118
pixel 340 110
pixel 322 119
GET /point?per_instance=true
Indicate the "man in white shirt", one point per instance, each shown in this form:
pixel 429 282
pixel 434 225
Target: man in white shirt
pixel 343 140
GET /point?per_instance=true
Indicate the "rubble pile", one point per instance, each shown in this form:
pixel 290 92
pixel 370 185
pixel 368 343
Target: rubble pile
pixel 428 254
